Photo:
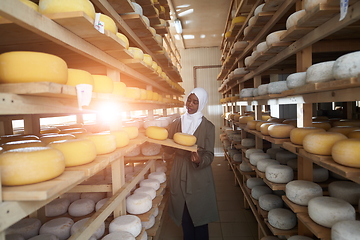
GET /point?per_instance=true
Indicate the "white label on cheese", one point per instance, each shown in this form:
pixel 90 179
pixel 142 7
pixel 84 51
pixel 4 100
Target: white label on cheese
pixel 98 25
pixel 344 4
pixel 84 93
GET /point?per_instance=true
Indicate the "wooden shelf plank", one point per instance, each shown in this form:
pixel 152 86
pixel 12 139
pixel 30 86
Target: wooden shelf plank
pixel 171 143
pixel 320 232
pixel 318 15
pixel 295 33
pixel 275 186
pixel 292 147
pixel 280 232
pixel 122 6
pixel 272 5
pixel 294 207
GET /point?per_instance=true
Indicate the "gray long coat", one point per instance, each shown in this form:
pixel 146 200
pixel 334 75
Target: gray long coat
pixel 191 182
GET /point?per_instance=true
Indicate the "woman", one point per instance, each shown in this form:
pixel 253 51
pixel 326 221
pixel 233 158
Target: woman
pixel 192 190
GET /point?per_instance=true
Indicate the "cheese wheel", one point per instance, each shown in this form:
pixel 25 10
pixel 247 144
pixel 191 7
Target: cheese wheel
pixel 95 196
pixel 324 125
pixel 347 66
pixel 345 230
pixel 326 211
pixel 103 84
pixel 252 21
pixel 310 4
pixel 250 151
pixel 346 190
pixel 30 4
pixel 129 223
pixel 133 92
pixel 347 122
pixel 124 39
pixel 147 190
pixel 104 142
pixel 148 224
pixel 246 92
pixel 258 191
pixel 343 129
pixel 45 236
pixel 30 165
pixel 302 191
pixel 297 134
pixel 245 167
pixel 57 207
pixel 282 218
pixel 138 203
pixel 26 227
pixel 56 137
pixel 279 173
pixel 109 23
pixel 252 124
pixel 345 152
pixel 320 174
pixel 121 138
pixel 25 67
pixel 320 72
pixel 71 196
pixel 100 203
pixel 59 227
pixel 284 156
pixel 77 76
pixel 264 128
pixel 240 45
pixel 294 18
pixel 258 124
pixel 277 87
pixel 253 182
pixel 53 6
pixel 239 19
pixel 150 149
pixel 79 224
pixel 158 133
pixel 22 144
pixel 184 139
pixel 154 183
pixel 272 152
pixel 274 37
pixel 263 89
pixel 321 142
pixel 261 47
pixel 160 176
pixel 245 119
pixel 296 80
pixel 259 9
pixel 255 157
pixel 124 235
pixel 134 152
pixel 263 163
pixel 137 53
pixel 148 60
pixel 132 131
pixel 248 142
pixel 280 130
pixel 354 134
pixel 270 201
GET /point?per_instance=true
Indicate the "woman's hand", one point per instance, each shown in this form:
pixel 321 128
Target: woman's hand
pixel 195 157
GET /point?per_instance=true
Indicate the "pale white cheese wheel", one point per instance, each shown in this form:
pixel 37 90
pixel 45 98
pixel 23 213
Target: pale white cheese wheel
pixel 26 227
pixel 346 230
pixel 259 9
pixel 79 224
pixel 81 207
pixel 71 196
pixel 272 152
pixel 253 182
pixel 248 142
pixel 45 236
pixel 150 149
pixel 282 218
pixel 277 87
pixel 129 223
pixel 258 191
pixel 57 207
pixel 326 211
pixel 135 152
pixel 294 18
pixel 160 176
pixel 240 45
pixel 154 183
pixel 246 92
pixel 320 72
pixel 320 174
pixel 237 157
pixel 255 92
pixel 146 20
pixel 123 235
pixel 255 157
pixel 245 167
pixel 148 224
pixel 346 190
pixel 296 80
pixel 310 4
pixel 95 196
pixel 60 227
pixel 156 212
pixel 249 60
pixel 252 21
pixel 284 156
pixel 263 89
pixel 261 47
pixel 274 37
pixel 347 66
pixel 100 203
pixel 144 236
pixel 246 31
pixel 232 152
pixel 148 190
pixel 138 203
pixel 263 163
pixel 270 201
pixel 299 237
pixel 279 173
pixel 302 191
pixel 251 151
pixel 240 71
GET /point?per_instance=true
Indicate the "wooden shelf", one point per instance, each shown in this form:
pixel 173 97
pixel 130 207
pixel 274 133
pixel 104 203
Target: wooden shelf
pixel 320 232
pixel 292 147
pixel 280 232
pixel 275 186
pixel 294 207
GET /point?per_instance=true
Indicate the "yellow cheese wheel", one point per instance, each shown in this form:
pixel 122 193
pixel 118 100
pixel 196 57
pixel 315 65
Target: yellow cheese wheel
pixel 347 152
pixel 265 117
pixel 163 75
pixel 159 70
pixel 30 4
pixel 228 34
pixel 122 138
pixel 321 142
pixel 264 128
pixel 347 122
pixel 47 130
pixel 24 67
pixel 77 76
pixel 124 39
pixel 143 94
pixel 245 119
pixel 155 96
pixel 343 129
pixel 119 88
pixel 109 23
pixel 154 65
pixel 48 138
pixel 159 39
pixel 73 130
pixel 297 134
pixel 30 165
pixel 104 142
pixel 252 124
pixel 239 19
pixel 158 133
pixel 148 60
pixel 133 92
pixel 103 84
pixel 258 125
pixel 275 120
pixel 152 30
pixel 55 6
pixel 76 151
pixel 354 134
pixel 324 125
pixel 22 144
pixel 136 52
pixel 132 131
pixel 17 137
pixel 149 95
pixel 184 139
pixel 280 130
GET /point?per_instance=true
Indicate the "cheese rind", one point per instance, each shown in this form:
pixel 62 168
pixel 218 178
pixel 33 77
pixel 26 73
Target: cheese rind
pixel 132 131
pixel 26 227
pixel 104 142
pixel 157 133
pixel 346 190
pixel 282 218
pixel 345 230
pixel 320 72
pixel 346 152
pixel 293 18
pixel 280 130
pixel 59 226
pixel 121 137
pixel 297 134
pixel 53 6
pixel 321 142
pixel 81 207
pixel 270 201
pixel 102 84
pixel 184 139
pixel 347 66
pixel 279 173
pixel 129 223
pixel 77 76
pixel 302 191
pixel 138 203
pixel 57 207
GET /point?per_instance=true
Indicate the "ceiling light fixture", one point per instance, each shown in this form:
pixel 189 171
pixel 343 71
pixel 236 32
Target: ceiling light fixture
pixel 178 26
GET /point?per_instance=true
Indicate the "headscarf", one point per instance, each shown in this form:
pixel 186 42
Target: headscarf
pixel 190 122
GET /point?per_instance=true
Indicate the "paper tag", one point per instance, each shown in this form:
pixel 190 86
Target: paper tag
pixel 84 93
pixel 98 25
pixel 344 4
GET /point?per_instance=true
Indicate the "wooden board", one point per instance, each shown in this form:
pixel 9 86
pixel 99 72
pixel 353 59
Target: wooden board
pixel 171 143
pixel 122 6
pixel 318 15
pixel 292 147
pixel 319 231
pixel 294 207
pixel 95 166
pixel 295 33
pixel 275 186
pixel 278 47
pixel 43 190
pixel 272 5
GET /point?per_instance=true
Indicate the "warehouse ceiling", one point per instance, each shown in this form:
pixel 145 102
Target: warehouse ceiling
pixel 203 22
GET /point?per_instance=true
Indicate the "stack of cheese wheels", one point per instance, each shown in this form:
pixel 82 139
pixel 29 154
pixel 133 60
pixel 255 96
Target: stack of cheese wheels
pixel 57 207
pixel 321 143
pixel 258 191
pixel 302 191
pixel 157 133
pixel 326 211
pixel 255 157
pixel 138 203
pixel 184 139
pixel 270 201
pixel 132 131
pixel 297 134
pixel 282 218
pixel 344 230
pixel 124 235
pixel 279 173
pixel 347 66
pixel 59 227
pixel 104 142
pixel 26 227
pixel 346 152
pixel 52 6
pixel 30 165
pixel 79 224
pixel 346 190
pixel 280 130
pixel 22 144
pixel 103 84
pixel 81 207
pixel 121 137
pixel 128 223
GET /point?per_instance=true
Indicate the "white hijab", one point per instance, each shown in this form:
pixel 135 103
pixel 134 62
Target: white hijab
pixel 190 122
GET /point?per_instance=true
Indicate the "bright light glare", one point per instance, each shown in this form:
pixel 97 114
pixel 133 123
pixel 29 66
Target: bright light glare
pixel 202 36
pixel 186 12
pixel 189 37
pixel 183 6
pixel 188 21
pixel 177 36
pixel 109 112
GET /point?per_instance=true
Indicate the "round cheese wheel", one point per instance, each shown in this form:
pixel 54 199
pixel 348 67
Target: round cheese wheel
pixel 245 167
pixel 104 142
pixel 148 224
pixel 302 191
pixel 263 89
pixel 148 60
pixel 354 134
pixel 138 10
pixel 57 207
pixel 343 129
pixel 119 88
pixel 71 196
pixel 134 152
pixel 347 122
pixel 154 183
pixel 250 151
pixel 252 124
pixel 137 53
pixel 284 156
pixel 345 152
pixel 264 128
pixel 128 223
pixel 184 139
pixel 296 80
pixel 17 137
pixel 124 235
pixel 59 227
pixel 246 92
pixel 274 37
pixel 277 87
pixel 150 149
pixel 155 132
pixel 109 23
pixel 297 134
pixel 160 176
pixel 347 66
pixel 282 218
pixel 279 173
pixel 132 131
pixel 252 21
pixel 321 142
pixel 270 201
pixel 81 207
pixel 147 190
pixel 124 39
pixel 100 203
pixel 346 190
pixel 294 18
pixel 326 211
pixel 246 31
pixel 345 230
pixel 258 191
pixel 56 137
pixel 103 84
pixel 95 196
pixel 79 224
pixel 133 93
pixel 324 125
pixel 237 157
pixel 24 67
pixel 257 156
pixel 53 6
pixel 22 144
pixel 258 124
pixel 272 152
pixel 263 163
pixel 30 165
pixel 26 227
pixel 239 19
pixel 320 72
pixel 259 9
pixel 240 45
pixel 253 182
pixel 77 76
pixel 248 142
pixel 280 130
pixel 121 138
pixel 261 47
pixel 310 4
pixel 45 236
pixel 245 119
pixel 138 203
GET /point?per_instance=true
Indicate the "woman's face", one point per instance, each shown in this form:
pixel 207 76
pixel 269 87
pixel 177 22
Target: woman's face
pixel 192 104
